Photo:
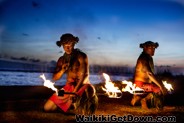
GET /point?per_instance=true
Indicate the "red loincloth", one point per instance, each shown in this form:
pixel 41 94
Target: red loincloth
pixel 147 87
pixel 65 104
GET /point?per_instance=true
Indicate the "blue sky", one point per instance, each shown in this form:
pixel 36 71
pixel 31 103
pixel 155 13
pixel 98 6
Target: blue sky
pixel 110 31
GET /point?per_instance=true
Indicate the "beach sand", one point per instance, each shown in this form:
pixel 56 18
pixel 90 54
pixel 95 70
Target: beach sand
pixel 24 104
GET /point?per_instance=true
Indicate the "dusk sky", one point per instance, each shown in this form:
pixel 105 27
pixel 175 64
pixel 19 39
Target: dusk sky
pixel 110 31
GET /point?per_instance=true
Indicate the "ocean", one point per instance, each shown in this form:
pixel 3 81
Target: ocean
pixel 9 78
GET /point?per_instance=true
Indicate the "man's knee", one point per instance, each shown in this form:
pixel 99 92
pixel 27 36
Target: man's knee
pixel 49 106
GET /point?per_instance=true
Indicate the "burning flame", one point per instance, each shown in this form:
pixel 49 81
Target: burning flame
pixel 113 91
pixel 131 88
pixel 167 86
pixel 49 84
pixel 110 89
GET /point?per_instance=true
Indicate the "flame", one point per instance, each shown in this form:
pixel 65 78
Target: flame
pixel 49 84
pixel 110 89
pixel 113 91
pixel 167 86
pixel 131 88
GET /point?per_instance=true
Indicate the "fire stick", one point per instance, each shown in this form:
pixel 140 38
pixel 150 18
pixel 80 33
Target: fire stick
pixel 62 92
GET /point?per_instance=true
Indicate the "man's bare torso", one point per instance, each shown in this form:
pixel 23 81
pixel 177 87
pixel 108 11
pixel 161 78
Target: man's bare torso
pixel 144 65
pixel 75 72
pixel 77 67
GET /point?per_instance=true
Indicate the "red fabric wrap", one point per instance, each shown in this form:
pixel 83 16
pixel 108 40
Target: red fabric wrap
pixel 66 101
pixel 147 87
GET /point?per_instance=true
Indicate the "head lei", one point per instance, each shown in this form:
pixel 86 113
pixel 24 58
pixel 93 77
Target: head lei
pixel 65 38
pixel 149 43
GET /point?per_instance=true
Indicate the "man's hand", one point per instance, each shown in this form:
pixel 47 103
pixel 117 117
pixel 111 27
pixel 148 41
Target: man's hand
pixel 65 66
pixel 73 98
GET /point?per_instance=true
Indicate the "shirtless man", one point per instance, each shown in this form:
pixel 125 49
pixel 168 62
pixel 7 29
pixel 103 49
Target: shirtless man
pixel 75 64
pixel 144 76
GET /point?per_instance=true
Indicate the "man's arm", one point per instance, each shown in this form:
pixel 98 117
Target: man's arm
pixel 60 69
pixel 153 79
pixel 150 74
pixel 159 84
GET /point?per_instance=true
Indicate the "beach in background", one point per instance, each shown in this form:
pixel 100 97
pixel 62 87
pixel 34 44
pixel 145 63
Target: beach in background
pixel 14 78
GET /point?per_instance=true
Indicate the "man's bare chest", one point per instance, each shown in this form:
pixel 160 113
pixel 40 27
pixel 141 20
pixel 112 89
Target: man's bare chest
pixel 74 66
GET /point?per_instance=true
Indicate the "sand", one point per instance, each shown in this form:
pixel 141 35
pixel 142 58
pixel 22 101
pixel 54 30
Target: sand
pixel 24 104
